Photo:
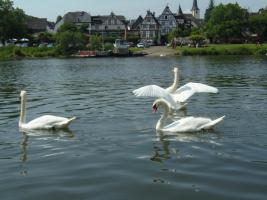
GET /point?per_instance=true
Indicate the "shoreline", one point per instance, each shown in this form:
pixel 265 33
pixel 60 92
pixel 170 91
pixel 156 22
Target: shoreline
pixel 18 53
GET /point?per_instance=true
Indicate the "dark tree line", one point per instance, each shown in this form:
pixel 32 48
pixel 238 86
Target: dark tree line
pixel 12 21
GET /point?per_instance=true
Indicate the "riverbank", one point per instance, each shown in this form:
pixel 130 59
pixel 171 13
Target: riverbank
pixel 213 49
pixel 224 49
pixel 13 52
pixel 158 51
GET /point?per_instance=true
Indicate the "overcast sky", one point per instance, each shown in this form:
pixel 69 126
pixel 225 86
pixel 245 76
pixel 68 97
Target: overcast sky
pixel 131 9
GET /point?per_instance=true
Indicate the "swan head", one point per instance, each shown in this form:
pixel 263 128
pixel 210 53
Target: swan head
pixel 175 69
pixel 156 105
pixel 23 93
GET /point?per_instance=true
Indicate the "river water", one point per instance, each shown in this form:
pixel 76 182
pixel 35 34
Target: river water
pixel 112 150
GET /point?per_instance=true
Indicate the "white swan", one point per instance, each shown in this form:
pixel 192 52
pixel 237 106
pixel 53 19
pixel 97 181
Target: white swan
pixel 41 123
pixel 174 86
pixel 177 99
pixel 186 124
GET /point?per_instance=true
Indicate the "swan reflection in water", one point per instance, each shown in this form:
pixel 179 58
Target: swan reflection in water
pixel 163 151
pixel 44 134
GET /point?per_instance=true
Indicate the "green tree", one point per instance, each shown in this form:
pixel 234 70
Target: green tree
pixel 208 11
pixel 67 27
pixel 12 21
pixel 95 42
pixel 181 31
pixel 258 25
pixel 45 37
pixel 227 23
pixel 84 28
pixel 59 17
pixel 69 41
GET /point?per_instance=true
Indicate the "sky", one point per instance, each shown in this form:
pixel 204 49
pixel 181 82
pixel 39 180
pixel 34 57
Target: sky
pixel 131 9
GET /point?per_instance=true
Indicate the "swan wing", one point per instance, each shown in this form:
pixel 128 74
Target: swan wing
pixel 156 91
pixel 151 91
pixel 183 93
pixel 188 124
pixel 48 122
pixel 211 124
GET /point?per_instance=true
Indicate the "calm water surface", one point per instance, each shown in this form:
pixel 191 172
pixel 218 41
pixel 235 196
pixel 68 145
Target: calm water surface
pixel 113 151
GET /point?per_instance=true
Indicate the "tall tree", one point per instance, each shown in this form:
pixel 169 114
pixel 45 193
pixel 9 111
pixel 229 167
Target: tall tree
pixel 208 11
pixel 258 25
pixel 12 21
pixel 227 23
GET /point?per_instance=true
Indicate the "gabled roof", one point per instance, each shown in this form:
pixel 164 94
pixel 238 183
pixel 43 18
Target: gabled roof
pixel 51 25
pixel 100 19
pixel 149 13
pixel 77 17
pixel 137 22
pixel 38 24
pixel 166 10
pixel 180 12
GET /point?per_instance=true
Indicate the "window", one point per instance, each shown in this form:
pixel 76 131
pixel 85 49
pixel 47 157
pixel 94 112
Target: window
pixel 166 17
pixel 147 34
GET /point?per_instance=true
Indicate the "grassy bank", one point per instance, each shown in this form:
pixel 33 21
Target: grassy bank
pixel 225 49
pixel 12 52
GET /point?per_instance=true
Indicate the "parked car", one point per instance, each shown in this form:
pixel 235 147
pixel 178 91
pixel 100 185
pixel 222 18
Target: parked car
pixel 50 45
pixel 140 45
pixel 42 45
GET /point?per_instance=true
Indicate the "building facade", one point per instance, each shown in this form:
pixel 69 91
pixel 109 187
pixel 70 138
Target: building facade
pixel 150 27
pixel 77 18
pixel 167 21
pixel 108 24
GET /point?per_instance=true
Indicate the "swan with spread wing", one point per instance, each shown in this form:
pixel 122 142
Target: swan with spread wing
pixel 176 98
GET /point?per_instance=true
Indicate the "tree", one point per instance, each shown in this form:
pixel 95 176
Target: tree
pixel 181 31
pixel 67 27
pixel 95 42
pixel 59 17
pixel 208 11
pixel 45 37
pixel 258 25
pixel 69 42
pixel 227 23
pixel 12 21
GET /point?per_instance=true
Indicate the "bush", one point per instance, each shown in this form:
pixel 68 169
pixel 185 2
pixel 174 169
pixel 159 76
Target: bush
pixel 18 53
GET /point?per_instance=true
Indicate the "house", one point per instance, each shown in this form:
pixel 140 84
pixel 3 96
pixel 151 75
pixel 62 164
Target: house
pixel 167 21
pixel 79 19
pixel 183 19
pixel 150 28
pixel 37 25
pixel 109 25
pixel 135 26
pixel 189 19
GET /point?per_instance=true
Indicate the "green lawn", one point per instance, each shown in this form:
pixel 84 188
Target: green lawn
pixel 225 49
pixel 13 52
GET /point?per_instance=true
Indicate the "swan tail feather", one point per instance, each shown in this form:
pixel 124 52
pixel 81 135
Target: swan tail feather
pixel 212 123
pixel 65 124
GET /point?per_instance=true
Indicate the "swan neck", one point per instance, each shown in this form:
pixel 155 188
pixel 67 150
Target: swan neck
pixel 164 116
pixel 22 119
pixel 174 86
pixel 176 80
